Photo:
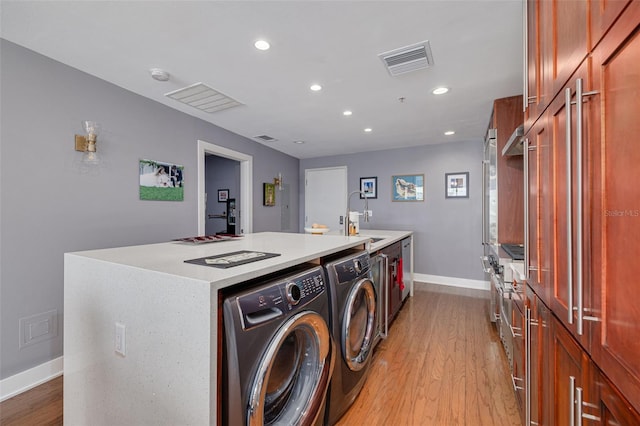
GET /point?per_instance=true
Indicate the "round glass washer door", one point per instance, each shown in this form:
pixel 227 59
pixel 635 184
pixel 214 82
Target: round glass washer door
pixel 358 325
pixel 293 375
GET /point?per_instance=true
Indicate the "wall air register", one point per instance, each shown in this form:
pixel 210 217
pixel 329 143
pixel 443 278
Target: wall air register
pixel 203 97
pixel 407 59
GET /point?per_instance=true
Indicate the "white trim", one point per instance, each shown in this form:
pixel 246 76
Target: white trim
pixel 28 379
pixel 246 184
pixel 452 281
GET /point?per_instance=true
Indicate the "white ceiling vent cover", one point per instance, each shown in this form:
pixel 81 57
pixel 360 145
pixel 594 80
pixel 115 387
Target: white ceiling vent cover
pixel 409 58
pixel 203 97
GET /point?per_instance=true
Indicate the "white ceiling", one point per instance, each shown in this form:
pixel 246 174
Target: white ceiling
pixel 476 45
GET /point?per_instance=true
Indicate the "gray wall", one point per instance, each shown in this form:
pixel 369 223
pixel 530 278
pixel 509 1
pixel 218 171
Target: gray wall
pixel 220 173
pixel 447 232
pixel 49 207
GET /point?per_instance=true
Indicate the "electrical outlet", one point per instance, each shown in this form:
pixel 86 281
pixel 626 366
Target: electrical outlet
pixel 121 341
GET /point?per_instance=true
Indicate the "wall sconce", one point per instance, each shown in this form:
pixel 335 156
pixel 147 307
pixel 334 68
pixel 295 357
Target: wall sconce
pixel 277 181
pixel 87 144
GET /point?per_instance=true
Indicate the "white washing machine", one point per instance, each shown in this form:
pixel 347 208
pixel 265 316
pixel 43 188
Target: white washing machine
pixel 354 328
pixel 279 354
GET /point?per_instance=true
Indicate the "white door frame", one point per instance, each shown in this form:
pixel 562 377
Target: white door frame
pixel 246 187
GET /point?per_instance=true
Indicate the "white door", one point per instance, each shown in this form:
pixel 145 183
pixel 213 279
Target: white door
pixel 325 197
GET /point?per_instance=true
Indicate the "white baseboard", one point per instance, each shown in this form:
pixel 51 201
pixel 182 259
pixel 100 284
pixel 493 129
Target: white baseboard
pixel 452 281
pixel 21 382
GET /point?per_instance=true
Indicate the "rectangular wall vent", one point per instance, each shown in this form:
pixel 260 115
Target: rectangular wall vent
pixel 265 138
pixel 407 59
pixel 203 97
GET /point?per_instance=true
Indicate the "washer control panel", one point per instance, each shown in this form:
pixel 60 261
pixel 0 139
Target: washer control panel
pixel 280 297
pixel 353 268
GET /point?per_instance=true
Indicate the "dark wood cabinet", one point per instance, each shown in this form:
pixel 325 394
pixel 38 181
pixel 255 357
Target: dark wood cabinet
pixel 506 117
pixel 571 182
pixel 570 372
pixel 539 377
pixel 567 33
pixel 539 218
pixel 614 272
pixel 583 211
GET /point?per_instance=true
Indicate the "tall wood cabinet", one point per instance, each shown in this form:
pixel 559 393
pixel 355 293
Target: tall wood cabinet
pixel 582 162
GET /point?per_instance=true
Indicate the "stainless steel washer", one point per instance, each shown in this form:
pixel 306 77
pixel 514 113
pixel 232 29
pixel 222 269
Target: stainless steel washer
pixel 353 324
pixel 279 353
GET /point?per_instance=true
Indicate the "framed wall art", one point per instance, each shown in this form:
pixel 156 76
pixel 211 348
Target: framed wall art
pixel 161 181
pixel 223 195
pixel 268 194
pixel 369 186
pixel 407 188
pixel 456 185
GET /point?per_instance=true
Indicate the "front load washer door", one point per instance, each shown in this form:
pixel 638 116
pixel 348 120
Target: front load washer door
pixel 359 325
pixel 293 375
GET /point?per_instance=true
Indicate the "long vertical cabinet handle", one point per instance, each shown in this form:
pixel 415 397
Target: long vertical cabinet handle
pixel 567 107
pixel 525 50
pixel 527 377
pixel 579 237
pixel 385 290
pixel 525 150
pixel 572 401
pixel 579 207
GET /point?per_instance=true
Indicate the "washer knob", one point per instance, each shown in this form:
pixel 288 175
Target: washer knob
pixel 357 265
pixel 293 293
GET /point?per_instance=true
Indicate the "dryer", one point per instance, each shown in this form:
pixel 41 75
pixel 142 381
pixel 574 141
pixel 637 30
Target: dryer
pixel 279 353
pixel 354 328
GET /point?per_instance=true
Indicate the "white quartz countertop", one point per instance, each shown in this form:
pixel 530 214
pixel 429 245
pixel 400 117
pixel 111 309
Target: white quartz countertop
pixel 169 257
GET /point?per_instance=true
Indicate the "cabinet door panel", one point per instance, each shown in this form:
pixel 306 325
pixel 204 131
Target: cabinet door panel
pixel 616 209
pixel 569 360
pixel 571 231
pixel 603 14
pixel 613 409
pixel 568 44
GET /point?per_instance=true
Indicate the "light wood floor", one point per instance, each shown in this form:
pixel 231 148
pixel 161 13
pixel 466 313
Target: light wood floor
pixel 442 365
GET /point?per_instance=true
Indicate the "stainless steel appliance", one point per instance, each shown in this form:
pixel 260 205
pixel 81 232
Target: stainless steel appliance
pixel 354 325
pixel 379 272
pixel 278 355
pixel 490 191
pixel 407 279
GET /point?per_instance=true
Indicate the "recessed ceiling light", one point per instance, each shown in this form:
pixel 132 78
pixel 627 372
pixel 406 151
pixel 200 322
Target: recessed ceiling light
pixel 449 132
pixel 262 45
pixel 298 142
pixel 440 90
pixel 368 129
pixel 347 113
pixel 315 87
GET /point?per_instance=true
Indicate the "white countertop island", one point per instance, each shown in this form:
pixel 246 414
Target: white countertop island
pixel 167 370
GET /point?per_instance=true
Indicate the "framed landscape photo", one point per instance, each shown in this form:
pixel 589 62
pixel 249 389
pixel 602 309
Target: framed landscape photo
pixel 369 186
pixel 160 181
pixel 407 188
pixel 456 185
pixel 223 195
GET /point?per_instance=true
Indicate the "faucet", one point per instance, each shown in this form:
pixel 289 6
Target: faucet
pixel 366 210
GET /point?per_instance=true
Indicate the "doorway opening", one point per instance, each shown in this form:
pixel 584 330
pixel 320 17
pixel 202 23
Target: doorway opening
pixel 245 215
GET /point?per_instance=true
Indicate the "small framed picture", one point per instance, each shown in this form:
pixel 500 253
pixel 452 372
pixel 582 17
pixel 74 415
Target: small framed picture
pixel 456 185
pixel 407 188
pixel 223 195
pixel 269 194
pixel 369 187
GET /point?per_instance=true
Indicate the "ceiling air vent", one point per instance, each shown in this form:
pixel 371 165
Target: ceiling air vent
pixel 203 97
pixel 265 138
pixel 407 59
